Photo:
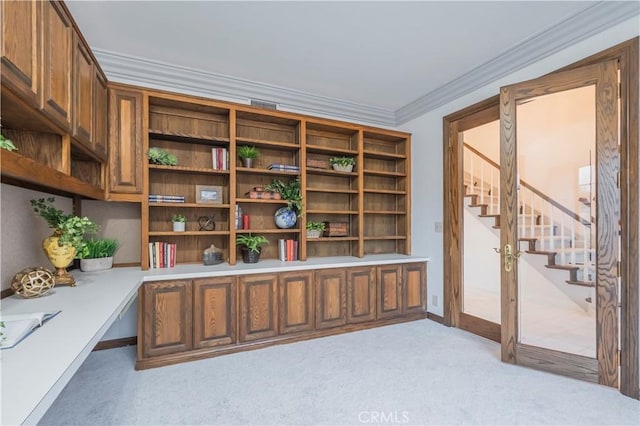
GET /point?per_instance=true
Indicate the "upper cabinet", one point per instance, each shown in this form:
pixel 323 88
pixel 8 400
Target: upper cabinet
pixel 83 93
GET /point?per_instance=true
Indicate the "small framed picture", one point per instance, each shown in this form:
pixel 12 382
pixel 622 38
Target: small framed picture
pixel 206 194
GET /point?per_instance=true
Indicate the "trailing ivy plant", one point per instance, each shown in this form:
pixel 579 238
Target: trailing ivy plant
pixel 159 156
pixel 288 191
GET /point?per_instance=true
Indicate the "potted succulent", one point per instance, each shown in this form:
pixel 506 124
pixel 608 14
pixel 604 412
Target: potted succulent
pixel 97 254
pixel 342 164
pixel 161 157
pixel 248 153
pixel 67 241
pixel 179 222
pixel 314 229
pixel 251 246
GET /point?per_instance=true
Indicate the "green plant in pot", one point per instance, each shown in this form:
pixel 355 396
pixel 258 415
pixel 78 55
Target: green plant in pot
pixel 67 241
pixel 7 143
pixel 251 246
pixel 97 254
pixel 288 191
pixel 315 229
pixel 161 157
pixel 342 164
pixel 179 222
pixel 248 153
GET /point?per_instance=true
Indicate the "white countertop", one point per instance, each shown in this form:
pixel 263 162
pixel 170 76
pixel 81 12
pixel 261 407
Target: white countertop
pixel 38 368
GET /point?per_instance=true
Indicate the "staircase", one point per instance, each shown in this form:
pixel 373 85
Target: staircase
pixel 545 227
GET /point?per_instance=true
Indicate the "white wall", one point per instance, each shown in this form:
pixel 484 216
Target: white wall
pixel 427 199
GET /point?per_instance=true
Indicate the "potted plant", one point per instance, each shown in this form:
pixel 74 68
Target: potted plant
pixel 67 241
pixel 342 164
pixel 286 217
pixel 6 143
pixel 179 222
pixel 161 157
pixel 248 153
pixel 314 229
pixel 97 254
pixel 251 246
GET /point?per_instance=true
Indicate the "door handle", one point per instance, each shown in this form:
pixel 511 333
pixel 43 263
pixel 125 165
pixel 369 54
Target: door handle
pixel 508 255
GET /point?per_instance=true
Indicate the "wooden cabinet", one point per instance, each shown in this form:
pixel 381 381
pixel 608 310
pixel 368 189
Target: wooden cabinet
pixel 258 307
pixel 57 34
pixel 166 317
pixel 214 312
pixel 100 134
pixel 296 301
pixel 20 44
pixel 414 276
pixel 83 93
pixel 125 142
pixel 331 286
pixel 361 294
pixel 389 279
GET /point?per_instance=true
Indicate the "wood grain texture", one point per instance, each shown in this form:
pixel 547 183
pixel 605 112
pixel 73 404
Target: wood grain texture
pixel 296 301
pixel 116 343
pixel 480 326
pixel 83 93
pixel 330 286
pixel 361 294
pixel 100 134
pixel 414 287
pixel 578 367
pixel 214 312
pixel 389 291
pixel 258 306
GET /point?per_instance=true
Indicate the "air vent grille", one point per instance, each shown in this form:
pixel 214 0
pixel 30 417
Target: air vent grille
pixel 264 104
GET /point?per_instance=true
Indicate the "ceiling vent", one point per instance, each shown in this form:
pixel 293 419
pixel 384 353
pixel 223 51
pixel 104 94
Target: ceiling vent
pixel 264 104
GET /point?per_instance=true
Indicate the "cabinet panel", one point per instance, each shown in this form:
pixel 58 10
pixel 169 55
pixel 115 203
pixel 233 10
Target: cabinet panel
pixel 258 306
pixel 296 302
pixel 57 33
pixel 100 133
pixel 83 105
pixel 415 286
pixel 167 317
pixel 330 298
pixel 361 294
pixel 214 312
pixel 125 141
pixel 20 48
pixel 389 281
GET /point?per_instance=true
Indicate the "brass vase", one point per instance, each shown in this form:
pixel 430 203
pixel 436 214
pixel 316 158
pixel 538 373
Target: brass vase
pixel 60 257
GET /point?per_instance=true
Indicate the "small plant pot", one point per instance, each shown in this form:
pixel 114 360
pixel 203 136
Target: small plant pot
pixel 250 256
pixel 313 233
pixel 247 162
pixel 339 168
pixel 179 226
pixel 97 264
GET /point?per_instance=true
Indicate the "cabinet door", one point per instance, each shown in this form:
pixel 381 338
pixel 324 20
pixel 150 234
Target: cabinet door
pixel 214 312
pixel 20 48
pixel 167 317
pixel 258 307
pixel 100 114
pixel 125 141
pixel 57 39
pixel 414 285
pixel 389 281
pixel 296 301
pixel 83 104
pixel 361 294
pixel 330 297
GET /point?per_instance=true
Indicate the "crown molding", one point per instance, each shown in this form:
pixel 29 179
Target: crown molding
pixel 154 74
pixel 572 30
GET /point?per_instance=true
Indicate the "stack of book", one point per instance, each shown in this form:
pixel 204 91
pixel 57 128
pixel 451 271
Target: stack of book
pixel 287 250
pixel 162 255
pixel 284 168
pixel 155 198
pixel 220 158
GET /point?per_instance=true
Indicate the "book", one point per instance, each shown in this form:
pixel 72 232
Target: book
pixel 19 326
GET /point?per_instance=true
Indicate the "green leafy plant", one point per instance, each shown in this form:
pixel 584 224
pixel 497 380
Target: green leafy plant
pixel 246 151
pixel 178 218
pixel 99 247
pixel 70 228
pixel 161 157
pixel 315 226
pixel 251 242
pixel 288 191
pixel 7 143
pixel 342 161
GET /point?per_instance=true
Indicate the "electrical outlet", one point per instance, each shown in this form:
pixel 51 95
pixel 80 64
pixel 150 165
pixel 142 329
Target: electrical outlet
pixel 434 300
pixel 438 226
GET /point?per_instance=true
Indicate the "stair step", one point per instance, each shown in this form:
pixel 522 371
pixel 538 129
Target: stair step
pixel 551 255
pixel 489 215
pixel 581 283
pixel 563 267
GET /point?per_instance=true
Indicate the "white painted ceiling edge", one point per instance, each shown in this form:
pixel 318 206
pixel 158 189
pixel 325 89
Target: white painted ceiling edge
pixel 144 72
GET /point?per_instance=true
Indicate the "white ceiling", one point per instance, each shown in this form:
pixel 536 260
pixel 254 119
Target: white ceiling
pixel 383 55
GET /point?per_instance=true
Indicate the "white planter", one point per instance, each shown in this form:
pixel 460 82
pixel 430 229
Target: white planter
pixel 339 168
pixel 179 226
pixel 313 233
pixel 98 264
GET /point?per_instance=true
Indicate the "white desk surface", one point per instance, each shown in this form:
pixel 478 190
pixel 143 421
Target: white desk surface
pixel 35 371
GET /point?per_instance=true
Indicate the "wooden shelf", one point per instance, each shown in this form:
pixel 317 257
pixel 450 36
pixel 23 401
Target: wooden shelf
pixel 384 191
pixel 267 144
pixel 268 231
pixel 186 137
pixel 265 171
pixel 329 172
pixel 183 169
pixel 383 173
pixel 384 155
pixel 333 239
pixel 392 212
pixel 259 201
pixel 333 191
pixel 186 233
pixel 190 205
pixel 345 212
pixel 388 237
pixel 330 151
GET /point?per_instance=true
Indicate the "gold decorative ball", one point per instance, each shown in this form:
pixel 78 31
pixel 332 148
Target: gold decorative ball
pixel 32 282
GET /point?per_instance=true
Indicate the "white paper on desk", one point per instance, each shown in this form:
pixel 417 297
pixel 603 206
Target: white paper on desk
pixel 18 326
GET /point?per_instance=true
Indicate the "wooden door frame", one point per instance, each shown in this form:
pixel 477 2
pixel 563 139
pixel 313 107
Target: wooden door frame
pixel 626 54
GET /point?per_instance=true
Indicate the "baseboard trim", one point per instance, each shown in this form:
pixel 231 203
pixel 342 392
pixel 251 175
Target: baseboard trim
pixel 435 317
pixel 116 343
pixel 6 293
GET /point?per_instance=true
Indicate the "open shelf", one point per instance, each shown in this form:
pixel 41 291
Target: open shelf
pixel 390 212
pixel 186 137
pixel 255 170
pixel 184 169
pixel 259 201
pixel 384 155
pixel 268 231
pixel 384 173
pixel 262 143
pixel 333 191
pixel 186 233
pixel 329 172
pixel 387 237
pixel 384 191
pixel 190 205
pixel 331 239
pixel 345 212
pixel 335 152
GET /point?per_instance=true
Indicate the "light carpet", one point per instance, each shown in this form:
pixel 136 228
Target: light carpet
pixel 415 373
